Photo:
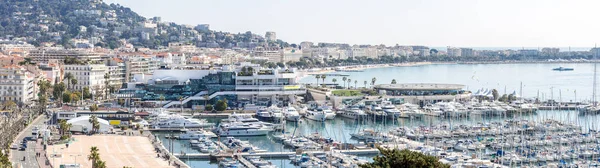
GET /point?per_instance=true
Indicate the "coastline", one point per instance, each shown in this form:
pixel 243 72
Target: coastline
pixel 316 71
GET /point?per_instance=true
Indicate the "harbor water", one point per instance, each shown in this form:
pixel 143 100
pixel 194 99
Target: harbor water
pixel 340 129
pixel 573 85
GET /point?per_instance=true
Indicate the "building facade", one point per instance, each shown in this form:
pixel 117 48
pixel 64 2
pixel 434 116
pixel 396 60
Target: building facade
pixel 17 84
pixel 88 75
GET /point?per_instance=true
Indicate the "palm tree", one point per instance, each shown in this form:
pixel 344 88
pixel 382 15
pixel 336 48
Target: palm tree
pixel 206 97
pixel 349 81
pixel 95 124
pixel 334 81
pixel 68 77
pixel 101 164
pixel 73 82
pixel 106 82
pixel 323 77
pixel 373 81
pixel 344 80
pixel 393 81
pixel 365 84
pixel 318 77
pixel 93 107
pixel 94 156
pixel 355 82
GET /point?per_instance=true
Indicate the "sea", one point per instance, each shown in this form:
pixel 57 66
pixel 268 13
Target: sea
pixel 533 80
pixel 527 80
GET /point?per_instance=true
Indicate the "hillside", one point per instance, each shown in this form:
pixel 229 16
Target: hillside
pixel 60 21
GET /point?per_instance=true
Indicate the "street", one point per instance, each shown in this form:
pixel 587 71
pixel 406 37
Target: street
pixel 32 146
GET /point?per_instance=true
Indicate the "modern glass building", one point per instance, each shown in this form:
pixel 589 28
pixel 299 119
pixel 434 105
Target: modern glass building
pixel 240 85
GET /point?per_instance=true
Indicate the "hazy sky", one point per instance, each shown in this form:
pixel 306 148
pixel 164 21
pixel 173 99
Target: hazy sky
pixel 462 23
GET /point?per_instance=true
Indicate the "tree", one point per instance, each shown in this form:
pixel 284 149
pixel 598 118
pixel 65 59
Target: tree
pixel 373 81
pixel 73 82
pixel 66 97
pixel 349 81
pixel 323 78
pixel 4 161
pixel 344 80
pixel 95 123
pixel 393 81
pixel 334 81
pixel 318 77
pixel 221 105
pixel 94 156
pixel 106 82
pixel 403 158
pixel 355 82
pixel 495 94
pixel 68 78
pixel 64 126
pixel 93 107
pixel 75 96
pixel 58 91
pixel 208 107
pixel 9 105
pixel 86 93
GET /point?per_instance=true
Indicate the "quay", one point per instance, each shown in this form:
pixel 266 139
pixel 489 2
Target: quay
pixel 278 154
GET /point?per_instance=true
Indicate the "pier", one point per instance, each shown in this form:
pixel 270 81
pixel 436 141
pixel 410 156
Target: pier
pixel 284 155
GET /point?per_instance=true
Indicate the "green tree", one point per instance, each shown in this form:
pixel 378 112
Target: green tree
pixel 208 107
pixel 403 158
pixel 68 78
pixel 323 78
pixel 355 82
pixel 73 83
pixel 393 81
pixel 334 81
pixel 318 77
pixel 58 91
pixel 94 156
pixel 86 93
pixel 373 81
pixel 95 123
pixel 221 105
pixel 66 97
pixel 93 107
pixel 4 161
pixel 344 80
pixel 349 81
pixel 9 105
pixel 495 94
pixel 106 82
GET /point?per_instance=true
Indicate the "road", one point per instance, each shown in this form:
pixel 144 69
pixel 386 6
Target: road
pixel 32 146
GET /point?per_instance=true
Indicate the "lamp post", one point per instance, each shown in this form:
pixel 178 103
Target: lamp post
pixel 76 158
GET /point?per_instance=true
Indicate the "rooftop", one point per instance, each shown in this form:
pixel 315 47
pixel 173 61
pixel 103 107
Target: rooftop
pixel 420 86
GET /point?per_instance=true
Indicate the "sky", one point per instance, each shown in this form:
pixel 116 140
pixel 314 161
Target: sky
pixel 459 23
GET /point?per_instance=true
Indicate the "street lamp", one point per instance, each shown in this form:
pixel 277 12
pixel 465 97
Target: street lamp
pixel 76 158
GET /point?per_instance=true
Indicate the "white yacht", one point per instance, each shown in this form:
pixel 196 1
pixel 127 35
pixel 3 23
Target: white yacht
pixel 329 114
pixel 352 112
pixel 263 114
pixel 176 121
pixel 291 114
pixel 242 129
pixel 390 109
pixel 275 113
pixel 188 134
pixel 316 114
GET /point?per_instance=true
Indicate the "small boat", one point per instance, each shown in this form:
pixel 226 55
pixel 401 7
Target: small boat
pixel 563 69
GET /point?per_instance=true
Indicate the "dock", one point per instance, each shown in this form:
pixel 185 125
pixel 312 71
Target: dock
pixel 283 155
pixel 245 162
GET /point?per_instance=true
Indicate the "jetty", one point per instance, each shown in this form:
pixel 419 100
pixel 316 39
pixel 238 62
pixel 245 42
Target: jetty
pixel 284 155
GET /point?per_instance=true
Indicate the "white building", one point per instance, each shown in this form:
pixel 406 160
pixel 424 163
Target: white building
pixel 272 54
pixel 454 52
pixel 82 124
pixel 43 55
pixel 17 84
pixel 89 75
